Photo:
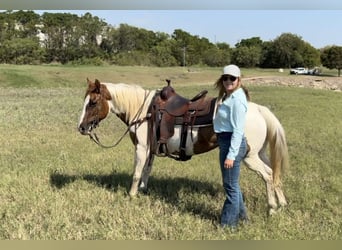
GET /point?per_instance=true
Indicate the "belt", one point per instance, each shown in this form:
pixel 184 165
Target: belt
pixel 224 133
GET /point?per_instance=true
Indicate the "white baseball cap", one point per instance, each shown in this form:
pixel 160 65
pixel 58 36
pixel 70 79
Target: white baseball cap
pixel 232 70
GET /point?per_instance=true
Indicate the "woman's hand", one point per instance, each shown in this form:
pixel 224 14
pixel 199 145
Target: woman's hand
pixel 228 163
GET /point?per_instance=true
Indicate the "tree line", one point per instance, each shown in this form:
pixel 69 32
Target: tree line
pixel 29 38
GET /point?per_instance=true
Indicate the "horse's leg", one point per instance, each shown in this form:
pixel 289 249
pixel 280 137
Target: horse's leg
pixel 146 173
pixel 277 188
pixel 256 164
pixel 139 163
pixel 278 150
pixel 281 197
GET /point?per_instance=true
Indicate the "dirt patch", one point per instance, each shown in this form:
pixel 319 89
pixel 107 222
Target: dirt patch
pixel 316 82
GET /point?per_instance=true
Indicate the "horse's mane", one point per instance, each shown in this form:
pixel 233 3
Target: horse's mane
pixel 128 99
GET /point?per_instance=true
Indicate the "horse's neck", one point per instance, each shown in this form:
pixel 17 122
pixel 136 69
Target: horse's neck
pixel 129 102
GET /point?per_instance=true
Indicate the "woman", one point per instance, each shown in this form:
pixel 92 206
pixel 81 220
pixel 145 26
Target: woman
pixel 229 123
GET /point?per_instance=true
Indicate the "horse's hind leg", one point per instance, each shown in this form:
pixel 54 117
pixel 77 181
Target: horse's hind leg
pixel 256 164
pixel 278 190
pixel 280 196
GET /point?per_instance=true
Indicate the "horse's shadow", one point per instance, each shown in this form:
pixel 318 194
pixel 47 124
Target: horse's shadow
pixel 166 189
pixel 59 180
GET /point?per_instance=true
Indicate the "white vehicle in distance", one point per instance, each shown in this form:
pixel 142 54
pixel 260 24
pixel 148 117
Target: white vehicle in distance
pixel 299 71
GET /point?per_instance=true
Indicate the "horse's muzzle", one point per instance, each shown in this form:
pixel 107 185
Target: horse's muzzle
pixel 85 129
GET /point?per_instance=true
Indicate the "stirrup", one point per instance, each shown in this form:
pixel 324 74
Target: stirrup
pixel 161 150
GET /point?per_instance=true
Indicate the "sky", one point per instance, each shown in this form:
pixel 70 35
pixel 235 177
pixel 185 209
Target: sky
pixel 320 28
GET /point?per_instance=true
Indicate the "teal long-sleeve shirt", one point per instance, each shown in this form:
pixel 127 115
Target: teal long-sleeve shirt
pixel 231 117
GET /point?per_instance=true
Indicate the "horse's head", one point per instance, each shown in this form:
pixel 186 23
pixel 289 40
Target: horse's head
pixel 95 108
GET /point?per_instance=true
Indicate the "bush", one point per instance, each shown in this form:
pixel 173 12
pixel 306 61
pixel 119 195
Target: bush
pixel 96 61
pixel 136 58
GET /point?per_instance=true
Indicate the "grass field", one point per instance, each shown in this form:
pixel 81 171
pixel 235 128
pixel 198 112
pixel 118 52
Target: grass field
pixel 57 184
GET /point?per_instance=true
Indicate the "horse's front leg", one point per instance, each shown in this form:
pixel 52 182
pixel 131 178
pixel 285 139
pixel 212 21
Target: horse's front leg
pixel 146 173
pixel 139 163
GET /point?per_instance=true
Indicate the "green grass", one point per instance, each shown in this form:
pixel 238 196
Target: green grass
pixel 57 184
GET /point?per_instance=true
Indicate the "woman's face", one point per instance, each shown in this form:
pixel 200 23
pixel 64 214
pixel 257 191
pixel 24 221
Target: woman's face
pixel 230 82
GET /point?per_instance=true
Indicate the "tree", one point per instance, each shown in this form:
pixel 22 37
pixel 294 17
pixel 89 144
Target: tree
pixel 331 58
pixel 311 56
pixel 216 57
pixel 162 54
pixel 223 46
pixel 91 29
pixel 7 26
pixel 189 49
pixel 288 49
pixel 250 42
pixel 247 52
pixel 267 59
pixel 26 23
pixel 18 38
pixel 181 47
pixel 21 51
pixel 247 56
pixel 59 32
pixel 65 37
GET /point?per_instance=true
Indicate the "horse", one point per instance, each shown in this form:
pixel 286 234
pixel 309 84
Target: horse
pixel 131 103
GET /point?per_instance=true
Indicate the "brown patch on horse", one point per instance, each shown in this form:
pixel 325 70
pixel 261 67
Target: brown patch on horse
pixel 206 140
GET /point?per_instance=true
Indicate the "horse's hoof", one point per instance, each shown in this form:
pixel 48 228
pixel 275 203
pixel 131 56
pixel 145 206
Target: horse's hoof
pixel 272 211
pixel 283 204
pixel 143 190
pixel 133 194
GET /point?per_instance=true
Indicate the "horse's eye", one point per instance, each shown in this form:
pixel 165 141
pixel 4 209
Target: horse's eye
pixel 92 103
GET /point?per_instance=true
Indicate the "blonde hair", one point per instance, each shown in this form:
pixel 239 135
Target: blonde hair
pixel 222 90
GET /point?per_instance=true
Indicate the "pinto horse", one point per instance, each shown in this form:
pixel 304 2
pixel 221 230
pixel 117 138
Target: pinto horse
pixel 131 103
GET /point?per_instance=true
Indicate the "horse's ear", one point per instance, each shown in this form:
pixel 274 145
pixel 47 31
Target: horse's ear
pixel 168 82
pixel 97 85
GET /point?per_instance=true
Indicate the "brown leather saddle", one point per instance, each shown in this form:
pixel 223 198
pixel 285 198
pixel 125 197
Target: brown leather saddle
pixel 171 109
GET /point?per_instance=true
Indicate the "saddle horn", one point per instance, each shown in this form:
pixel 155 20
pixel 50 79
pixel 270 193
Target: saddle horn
pixel 167 91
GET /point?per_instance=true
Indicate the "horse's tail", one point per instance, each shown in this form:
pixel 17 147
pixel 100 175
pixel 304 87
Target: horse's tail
pixel 278 147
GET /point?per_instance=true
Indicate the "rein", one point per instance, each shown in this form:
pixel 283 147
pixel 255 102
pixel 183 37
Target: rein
pixel 93 136
pixel 95 139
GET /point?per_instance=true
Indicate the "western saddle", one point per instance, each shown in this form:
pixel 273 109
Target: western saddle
pixel 170 109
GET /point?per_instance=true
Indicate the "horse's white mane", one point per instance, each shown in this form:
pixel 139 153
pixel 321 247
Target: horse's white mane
pixel 128 99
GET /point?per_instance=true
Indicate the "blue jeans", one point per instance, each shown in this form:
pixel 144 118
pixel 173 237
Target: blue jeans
pixel 233 207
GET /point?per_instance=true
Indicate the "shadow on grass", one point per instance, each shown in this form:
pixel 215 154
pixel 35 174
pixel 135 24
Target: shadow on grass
pixel 160 188
pixel 110 182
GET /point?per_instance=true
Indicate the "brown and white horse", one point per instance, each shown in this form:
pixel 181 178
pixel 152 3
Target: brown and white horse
pixel 131 102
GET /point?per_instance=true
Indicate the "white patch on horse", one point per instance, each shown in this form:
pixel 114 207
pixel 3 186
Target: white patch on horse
pixel 174 141
pixel 86 101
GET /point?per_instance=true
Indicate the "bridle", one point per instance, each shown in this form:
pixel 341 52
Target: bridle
pixel 93 136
